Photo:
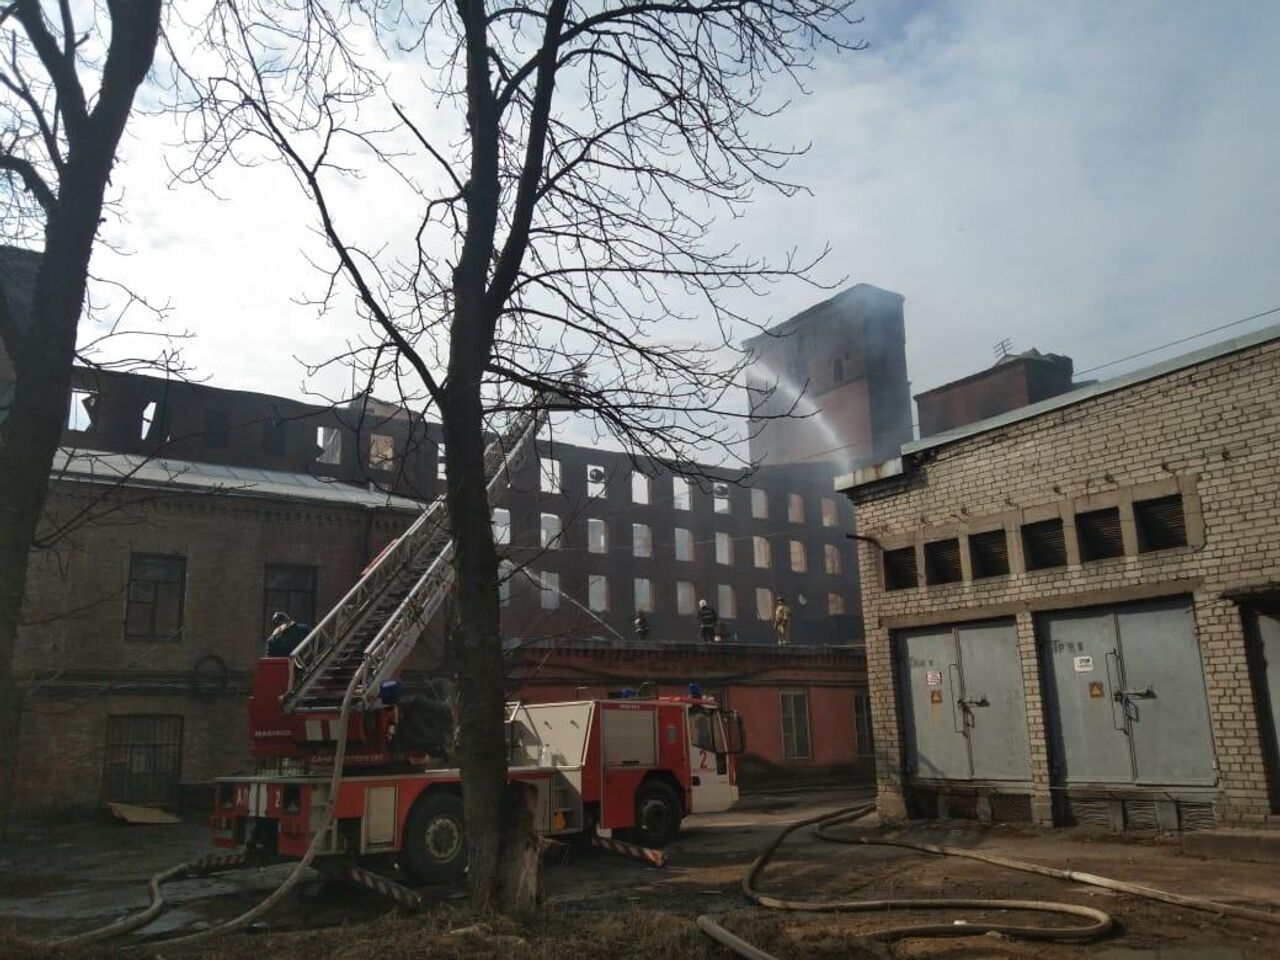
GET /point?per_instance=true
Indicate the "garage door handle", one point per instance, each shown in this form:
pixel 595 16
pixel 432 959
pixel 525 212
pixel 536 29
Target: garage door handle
pixel 1147 694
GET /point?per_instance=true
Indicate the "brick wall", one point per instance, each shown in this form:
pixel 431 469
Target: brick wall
pixel 77 667
pixel 1206 431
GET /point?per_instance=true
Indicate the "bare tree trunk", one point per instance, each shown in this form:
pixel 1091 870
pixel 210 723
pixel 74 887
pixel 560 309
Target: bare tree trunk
pixel 42 345
pixel 27 447
pixel 478 656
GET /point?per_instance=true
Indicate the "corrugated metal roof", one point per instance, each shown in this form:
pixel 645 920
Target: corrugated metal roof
pixel 134 470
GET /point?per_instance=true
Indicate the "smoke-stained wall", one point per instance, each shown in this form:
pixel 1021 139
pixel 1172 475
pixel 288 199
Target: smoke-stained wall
pixel 841 368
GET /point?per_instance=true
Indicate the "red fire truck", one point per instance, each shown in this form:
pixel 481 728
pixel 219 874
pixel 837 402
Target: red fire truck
pixel 628 765
pixel 636 764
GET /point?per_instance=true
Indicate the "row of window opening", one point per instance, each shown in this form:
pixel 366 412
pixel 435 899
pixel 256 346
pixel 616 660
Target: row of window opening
pixel 1159 523
pixel 551 537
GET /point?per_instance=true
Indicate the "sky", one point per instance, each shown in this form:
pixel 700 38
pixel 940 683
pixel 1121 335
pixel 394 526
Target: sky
pixel 1089 179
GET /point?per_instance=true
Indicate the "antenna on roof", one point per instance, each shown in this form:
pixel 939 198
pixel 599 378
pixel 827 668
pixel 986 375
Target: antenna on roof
pixel 1002 348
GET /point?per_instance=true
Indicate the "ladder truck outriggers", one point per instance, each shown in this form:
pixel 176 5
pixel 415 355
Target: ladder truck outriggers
pixel 633 766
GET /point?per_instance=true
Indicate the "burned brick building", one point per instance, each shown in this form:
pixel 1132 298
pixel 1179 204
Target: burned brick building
pixel 841 366
pixel 187 514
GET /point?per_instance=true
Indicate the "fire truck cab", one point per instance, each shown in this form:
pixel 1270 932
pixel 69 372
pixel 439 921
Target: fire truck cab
pixel 631 766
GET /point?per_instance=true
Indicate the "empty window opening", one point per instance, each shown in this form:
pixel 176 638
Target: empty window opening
pixel 684 544
pixel 681 493
pixel 760 548
pixel 644 595
pixel 153 609
pixel 597 536
pixel 597 481
pixel 275 433
pixel 501 525
pixel 1043 544
pixel 550 590
pixel 828 512
pixel 551 530
pixel 795 724
pixel 217 429
pixel 686 600
pixel 549 475
pixel 759 504
pixel 84 405
pixel 835 604
pixel 641 540
pixel 149 418
pixel 764 603
pixel 900 569
pixel 724 549
pixel 639 487
pixel 506 570
pixel 598 592
pixel 442 466
pixel 726 601
pixel 720 497
pixel 799 559
pixel 1098 532
pixel 1161 523
pixel 795 508
pixel 329 440
pixel 831 559
pixel 942 562
pixel 382 452
pixel 989 554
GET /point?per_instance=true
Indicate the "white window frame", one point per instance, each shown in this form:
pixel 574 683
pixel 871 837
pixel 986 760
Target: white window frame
pixel 597 544
pixel 724 549
pixel 682 539
pixel 641 540
pixel 791 751
pixel 759 504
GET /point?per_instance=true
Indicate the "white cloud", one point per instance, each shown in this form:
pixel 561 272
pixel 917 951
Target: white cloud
pixel 1084 179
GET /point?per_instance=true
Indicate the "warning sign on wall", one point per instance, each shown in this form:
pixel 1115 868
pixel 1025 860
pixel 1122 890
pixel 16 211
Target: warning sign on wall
pixel 1083 664
pixel 935 696
pixel 933 678
pixel 1095 689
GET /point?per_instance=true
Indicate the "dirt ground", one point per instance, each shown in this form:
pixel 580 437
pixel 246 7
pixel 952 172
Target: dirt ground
pixel 60 879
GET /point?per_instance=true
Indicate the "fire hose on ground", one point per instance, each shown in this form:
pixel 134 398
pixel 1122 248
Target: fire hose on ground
pixel 1099 921
pixel 143 917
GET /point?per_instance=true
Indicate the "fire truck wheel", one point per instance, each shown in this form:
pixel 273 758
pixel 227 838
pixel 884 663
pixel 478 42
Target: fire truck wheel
pixel 658 813
pixel 435 841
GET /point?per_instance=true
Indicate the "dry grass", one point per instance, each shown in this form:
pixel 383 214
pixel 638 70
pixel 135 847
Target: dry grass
pixel 447 935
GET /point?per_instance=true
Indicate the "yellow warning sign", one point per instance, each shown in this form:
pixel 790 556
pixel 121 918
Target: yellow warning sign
pixel 935 696
pixel 1095 688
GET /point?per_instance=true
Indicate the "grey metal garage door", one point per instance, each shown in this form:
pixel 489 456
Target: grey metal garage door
pixel 963 705
pixel 1125 696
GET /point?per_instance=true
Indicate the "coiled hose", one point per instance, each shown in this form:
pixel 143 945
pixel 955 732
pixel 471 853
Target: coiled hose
pixel 143 917
pixel 1100 922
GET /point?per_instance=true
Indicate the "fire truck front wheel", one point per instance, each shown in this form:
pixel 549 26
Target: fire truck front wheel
pixel 658 814
pixel 435 840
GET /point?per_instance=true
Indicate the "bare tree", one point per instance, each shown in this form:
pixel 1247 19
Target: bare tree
pixel 562 222
pixel 66 92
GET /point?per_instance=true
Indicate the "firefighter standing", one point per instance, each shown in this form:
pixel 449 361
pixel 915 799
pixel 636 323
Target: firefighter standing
pixel 286 634
pixel 707 618
pixel 782 621
pixel 642 626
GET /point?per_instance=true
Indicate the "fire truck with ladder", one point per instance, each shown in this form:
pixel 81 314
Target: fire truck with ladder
pixel 633 766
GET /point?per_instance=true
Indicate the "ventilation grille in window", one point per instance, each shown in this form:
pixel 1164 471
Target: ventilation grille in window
pixel 1161 523
pixel 900 569
pixel 1043 545
pixel 1099 533
pixel 989 554
pixel 942 562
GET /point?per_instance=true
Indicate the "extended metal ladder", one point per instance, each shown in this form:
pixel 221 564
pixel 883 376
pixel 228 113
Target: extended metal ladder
pixel 376 625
